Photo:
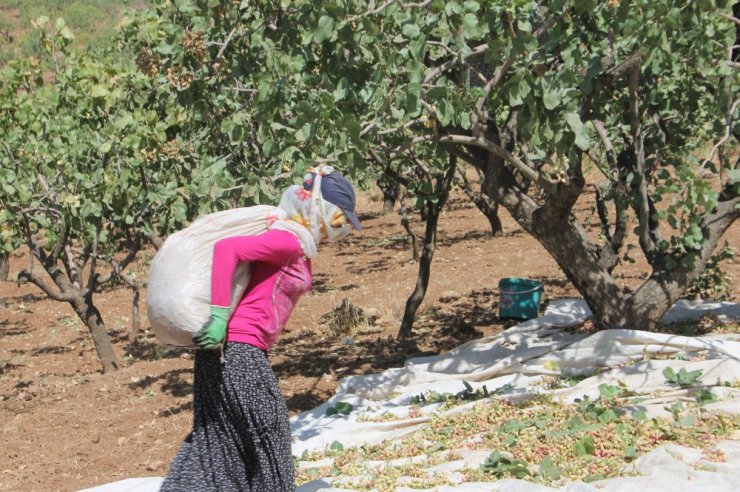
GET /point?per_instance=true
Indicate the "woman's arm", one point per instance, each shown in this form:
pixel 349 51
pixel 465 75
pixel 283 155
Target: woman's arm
pixel 274 247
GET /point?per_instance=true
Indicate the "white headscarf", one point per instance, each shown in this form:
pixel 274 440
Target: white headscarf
pixel 312 214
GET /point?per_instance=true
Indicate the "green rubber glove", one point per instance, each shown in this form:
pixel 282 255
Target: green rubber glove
pixel 212 335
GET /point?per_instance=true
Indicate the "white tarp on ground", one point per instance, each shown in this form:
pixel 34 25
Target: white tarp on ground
pixel 667 468
pixel 520 357
pixel 517 360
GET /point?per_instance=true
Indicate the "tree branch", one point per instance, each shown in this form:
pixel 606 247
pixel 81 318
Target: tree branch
pixel 726 136
pixel 71 266
pixel 479 141
pixel 451 63
pixel 387 3
pixel 643 211
pixel 26 276
pixel 658 285
pixel 406 125
pixel 607 143
pixel 118 268
pixel 92 278
pixel 407 226
pixel 61 243
pixel 730 18
pixel 388 170
pixel 226 42
pixel 499 75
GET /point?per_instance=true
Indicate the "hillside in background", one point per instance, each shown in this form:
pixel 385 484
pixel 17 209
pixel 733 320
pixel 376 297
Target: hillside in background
pixel 93 22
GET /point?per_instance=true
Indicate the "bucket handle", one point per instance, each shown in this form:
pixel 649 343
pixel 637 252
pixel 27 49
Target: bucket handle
pixel 539 287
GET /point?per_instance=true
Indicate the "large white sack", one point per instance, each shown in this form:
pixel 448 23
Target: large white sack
pixel 179 285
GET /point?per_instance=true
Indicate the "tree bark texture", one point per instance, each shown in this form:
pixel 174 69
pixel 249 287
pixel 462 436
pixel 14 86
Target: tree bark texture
pixel 80 298
pixel 422 280
pixel 487 206
pixel 90 315
pixel 4 267
pixel 391 192
pixel 427 253
pixel 135 321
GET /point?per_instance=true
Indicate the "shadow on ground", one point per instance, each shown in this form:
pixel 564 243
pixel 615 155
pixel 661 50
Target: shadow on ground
pixel 315 354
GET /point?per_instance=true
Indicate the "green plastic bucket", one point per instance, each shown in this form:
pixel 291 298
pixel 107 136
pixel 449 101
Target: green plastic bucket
pixel 519 298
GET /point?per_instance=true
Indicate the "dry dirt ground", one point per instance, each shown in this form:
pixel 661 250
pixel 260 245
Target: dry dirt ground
pixel 67 426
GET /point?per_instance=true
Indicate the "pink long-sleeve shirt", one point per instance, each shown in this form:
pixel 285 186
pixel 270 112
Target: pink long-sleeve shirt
pixel 281 274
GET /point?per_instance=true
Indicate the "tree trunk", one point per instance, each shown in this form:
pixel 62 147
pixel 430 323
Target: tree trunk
pixel 422 280
pixel 487 206
pixel 407 226
pixel 497 229
pixel 579 259
pixel 4 267
pixel 568 245
pixel 427 254
pixel 133 335
pixel 156 240
pixel 90 315
pixel 490 207
pixel 391 191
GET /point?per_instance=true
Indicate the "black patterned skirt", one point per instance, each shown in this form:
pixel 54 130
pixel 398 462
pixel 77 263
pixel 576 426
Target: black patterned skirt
pixel 241 436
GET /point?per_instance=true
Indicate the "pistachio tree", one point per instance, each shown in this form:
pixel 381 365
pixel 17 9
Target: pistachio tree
pixel 90 172
pixel 534 95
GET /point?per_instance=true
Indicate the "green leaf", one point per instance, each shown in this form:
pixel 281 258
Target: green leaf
pixel 471 6
pixel 593 478
pixel 705 395
pixel 500 465
pixel 508 439
pixel 609 391
pixel 410 31
pixel 344 408
pixel 608 416
pixel 549 470
pixel 551 99
pixel 267 147
pixel 470 25
pixel 179 210
pixel 683 377
pixel 579 129
pixel 413 99
pixel 585 446
pixel 66 33
pixel 105 147
pixel 446 112
pixel 99 91
pixel 630 452
pixel 336 447
pixel 341 90
pixel 325 29
pixel 512 425
pixel 518 89
pixel 340 408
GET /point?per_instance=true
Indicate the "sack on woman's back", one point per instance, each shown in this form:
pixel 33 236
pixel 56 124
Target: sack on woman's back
pixel 179 283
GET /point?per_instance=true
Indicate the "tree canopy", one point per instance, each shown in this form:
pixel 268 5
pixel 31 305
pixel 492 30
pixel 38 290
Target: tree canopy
pixel 533 94
pixel 207 104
